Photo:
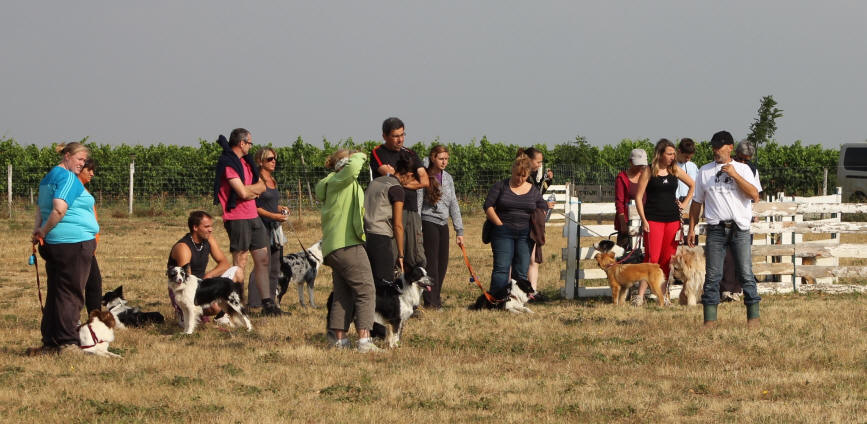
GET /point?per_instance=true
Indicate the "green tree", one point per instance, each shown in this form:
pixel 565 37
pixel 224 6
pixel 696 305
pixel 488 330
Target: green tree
pixel 765 125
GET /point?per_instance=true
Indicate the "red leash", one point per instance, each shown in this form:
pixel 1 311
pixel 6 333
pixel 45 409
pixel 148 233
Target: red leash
pixel 475 279
pixel 36 265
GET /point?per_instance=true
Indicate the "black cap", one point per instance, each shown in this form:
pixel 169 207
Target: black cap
pixel 720 139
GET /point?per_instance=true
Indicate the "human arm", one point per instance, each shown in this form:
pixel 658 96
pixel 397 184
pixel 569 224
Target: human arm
pixel 493 217
pixel 58 211
pixel 683 176
pixel 621 200
pixel 491 201
pixel 421 180
pixel 349 173
pixel 279 217
pixel 694 215
pixel 397 221
pixel 745 186
pixel 217 255
pixel 454 208
pixel 639 194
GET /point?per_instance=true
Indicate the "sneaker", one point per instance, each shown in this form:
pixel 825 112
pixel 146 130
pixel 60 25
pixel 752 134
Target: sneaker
pixel 342 344
pixel 269 308
pixel 368 347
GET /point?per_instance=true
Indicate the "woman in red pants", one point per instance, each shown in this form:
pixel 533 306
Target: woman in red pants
pixel 660 212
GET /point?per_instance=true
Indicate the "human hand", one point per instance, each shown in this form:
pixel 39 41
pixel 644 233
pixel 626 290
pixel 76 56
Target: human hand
pixel 551 205
pixel 460 240
pixel 37 236
pixel 385 170
pixel 645 226
pixel 690 238
pixel 400 263
pixel 550 174
pixel 729 169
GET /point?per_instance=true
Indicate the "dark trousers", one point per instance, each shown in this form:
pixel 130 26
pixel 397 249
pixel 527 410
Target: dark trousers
pixel 382 253
pixel 67 266
pixel 93 288
pixel 436 251
pixel 254 298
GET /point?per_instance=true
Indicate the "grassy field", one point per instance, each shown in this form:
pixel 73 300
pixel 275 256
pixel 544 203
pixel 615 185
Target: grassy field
pixel 570 361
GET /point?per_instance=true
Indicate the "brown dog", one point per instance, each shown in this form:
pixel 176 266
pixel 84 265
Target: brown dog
pixel 622 277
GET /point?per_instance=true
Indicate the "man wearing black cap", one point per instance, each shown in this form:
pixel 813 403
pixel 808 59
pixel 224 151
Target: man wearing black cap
pixel 727 190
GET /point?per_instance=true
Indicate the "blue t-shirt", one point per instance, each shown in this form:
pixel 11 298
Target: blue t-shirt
pixel 79 222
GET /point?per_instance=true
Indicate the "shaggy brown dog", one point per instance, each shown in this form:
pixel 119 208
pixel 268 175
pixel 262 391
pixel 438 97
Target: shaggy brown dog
pixel 622 277
pixel 687 265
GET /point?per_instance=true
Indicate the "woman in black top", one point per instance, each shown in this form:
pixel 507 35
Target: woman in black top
pixel 272 215
pixel 509 205
pixel 660 213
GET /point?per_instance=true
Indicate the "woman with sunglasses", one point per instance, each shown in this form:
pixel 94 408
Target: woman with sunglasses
pixel 272 215
pixel 660 212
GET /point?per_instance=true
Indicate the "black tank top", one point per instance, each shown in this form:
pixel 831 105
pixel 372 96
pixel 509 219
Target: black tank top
pixel 200 254
pixel 660 205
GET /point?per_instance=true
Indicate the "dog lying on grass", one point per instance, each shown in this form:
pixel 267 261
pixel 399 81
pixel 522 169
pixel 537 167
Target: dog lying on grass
pixel 125 315
pixel 688 265
pixel 520 292
pixel 623 276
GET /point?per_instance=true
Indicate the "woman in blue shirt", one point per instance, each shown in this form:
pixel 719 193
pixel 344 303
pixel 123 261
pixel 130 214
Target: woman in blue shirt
pixel 65 228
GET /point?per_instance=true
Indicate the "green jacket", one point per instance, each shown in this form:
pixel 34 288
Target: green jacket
pixel 343 206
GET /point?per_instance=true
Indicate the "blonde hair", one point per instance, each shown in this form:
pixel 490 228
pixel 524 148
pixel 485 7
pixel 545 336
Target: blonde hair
pixel 658 151
pixel 260 155
pixel 523 164
pixel 71 148
pixel 335 157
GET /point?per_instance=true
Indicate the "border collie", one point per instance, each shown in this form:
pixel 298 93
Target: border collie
pixel 605 246
pixel 191 293
pixel 95 334
pixel 520 292
pixel 125 315
pixel 300 267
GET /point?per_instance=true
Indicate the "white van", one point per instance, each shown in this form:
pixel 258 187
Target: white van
pixel 852 172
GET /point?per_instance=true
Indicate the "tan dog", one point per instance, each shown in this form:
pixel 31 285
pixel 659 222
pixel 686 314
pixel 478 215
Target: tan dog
pixel 688 265
pixel 622 277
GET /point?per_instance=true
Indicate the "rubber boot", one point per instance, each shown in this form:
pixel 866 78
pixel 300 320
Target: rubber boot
pixel 753 320
pixel 710 316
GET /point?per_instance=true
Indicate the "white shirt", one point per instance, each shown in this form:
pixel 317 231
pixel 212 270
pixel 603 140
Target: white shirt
pixel 692 170
pixel 723 200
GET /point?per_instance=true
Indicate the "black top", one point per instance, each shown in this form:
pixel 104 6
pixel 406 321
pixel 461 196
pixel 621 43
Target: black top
pixel 200 254
pixel 661 205
pixel 269 201
pixel 381 155
pixel 514 209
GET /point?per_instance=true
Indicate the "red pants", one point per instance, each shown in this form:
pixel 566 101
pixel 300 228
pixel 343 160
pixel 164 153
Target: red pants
pixel 660 244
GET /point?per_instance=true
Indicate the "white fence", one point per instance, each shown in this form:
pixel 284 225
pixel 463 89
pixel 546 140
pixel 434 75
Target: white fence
pixel 779 247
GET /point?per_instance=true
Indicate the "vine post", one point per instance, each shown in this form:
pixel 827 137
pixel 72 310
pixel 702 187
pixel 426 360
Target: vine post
pixel 131 174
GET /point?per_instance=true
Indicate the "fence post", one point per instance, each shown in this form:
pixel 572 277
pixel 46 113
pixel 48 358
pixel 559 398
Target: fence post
pixel 825 183
pixel 9 187
pixel 131 179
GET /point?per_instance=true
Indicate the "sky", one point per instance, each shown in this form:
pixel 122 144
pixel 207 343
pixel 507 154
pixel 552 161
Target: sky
pixel 518 72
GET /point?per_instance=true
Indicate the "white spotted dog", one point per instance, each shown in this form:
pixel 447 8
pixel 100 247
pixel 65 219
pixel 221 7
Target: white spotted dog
pixel 395 303
pixel 191 293
pixel 300 268
pixel 95 335
pixel 125 315
pixel 520 292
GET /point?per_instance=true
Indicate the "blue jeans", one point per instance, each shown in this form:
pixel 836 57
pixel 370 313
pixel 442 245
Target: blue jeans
pixel 718 237
pixel 511 250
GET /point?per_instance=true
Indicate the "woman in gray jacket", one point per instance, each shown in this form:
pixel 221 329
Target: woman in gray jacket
pixel 437 203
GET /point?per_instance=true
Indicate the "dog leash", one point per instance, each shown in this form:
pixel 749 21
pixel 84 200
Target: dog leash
pixel 475 279
pixel 33 261
pixel 638 239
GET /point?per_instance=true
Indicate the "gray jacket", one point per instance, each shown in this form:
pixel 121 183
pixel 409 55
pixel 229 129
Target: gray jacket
pixel 448 205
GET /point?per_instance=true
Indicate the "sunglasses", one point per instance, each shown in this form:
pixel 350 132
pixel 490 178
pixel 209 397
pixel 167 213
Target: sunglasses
pixel 271 159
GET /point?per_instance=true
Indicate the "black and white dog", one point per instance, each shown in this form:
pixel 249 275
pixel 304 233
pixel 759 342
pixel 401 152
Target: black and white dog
pixel 125 315
pixel 191 293
pixel 634 256
pixel 300 268
pixel 520 292
pixel 395 303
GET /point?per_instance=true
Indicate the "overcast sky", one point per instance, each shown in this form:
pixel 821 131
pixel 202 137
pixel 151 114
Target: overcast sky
pixel 517 71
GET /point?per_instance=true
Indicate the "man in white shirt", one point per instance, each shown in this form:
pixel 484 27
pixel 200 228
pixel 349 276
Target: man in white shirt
pixel 727 190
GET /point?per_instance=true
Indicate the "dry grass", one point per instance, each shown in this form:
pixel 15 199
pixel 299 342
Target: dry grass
pixel 570 361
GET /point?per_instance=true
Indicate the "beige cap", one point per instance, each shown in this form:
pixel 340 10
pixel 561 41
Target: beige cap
pixel 638 157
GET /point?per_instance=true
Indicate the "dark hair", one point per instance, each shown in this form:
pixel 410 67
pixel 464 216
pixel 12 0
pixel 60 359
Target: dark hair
pixel 721 138
pixel 531 152
pixel 434 192
pixel 391 124
pixel 686 145
pixel 237 135
pixel 90 164
pixel 196 218
pixel 404 163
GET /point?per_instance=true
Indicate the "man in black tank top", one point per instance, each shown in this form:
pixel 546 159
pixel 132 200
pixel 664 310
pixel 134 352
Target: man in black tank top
pixel 196 248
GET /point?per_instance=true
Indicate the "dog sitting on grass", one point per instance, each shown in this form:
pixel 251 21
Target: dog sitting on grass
pixel 623 276
pixel 688 266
